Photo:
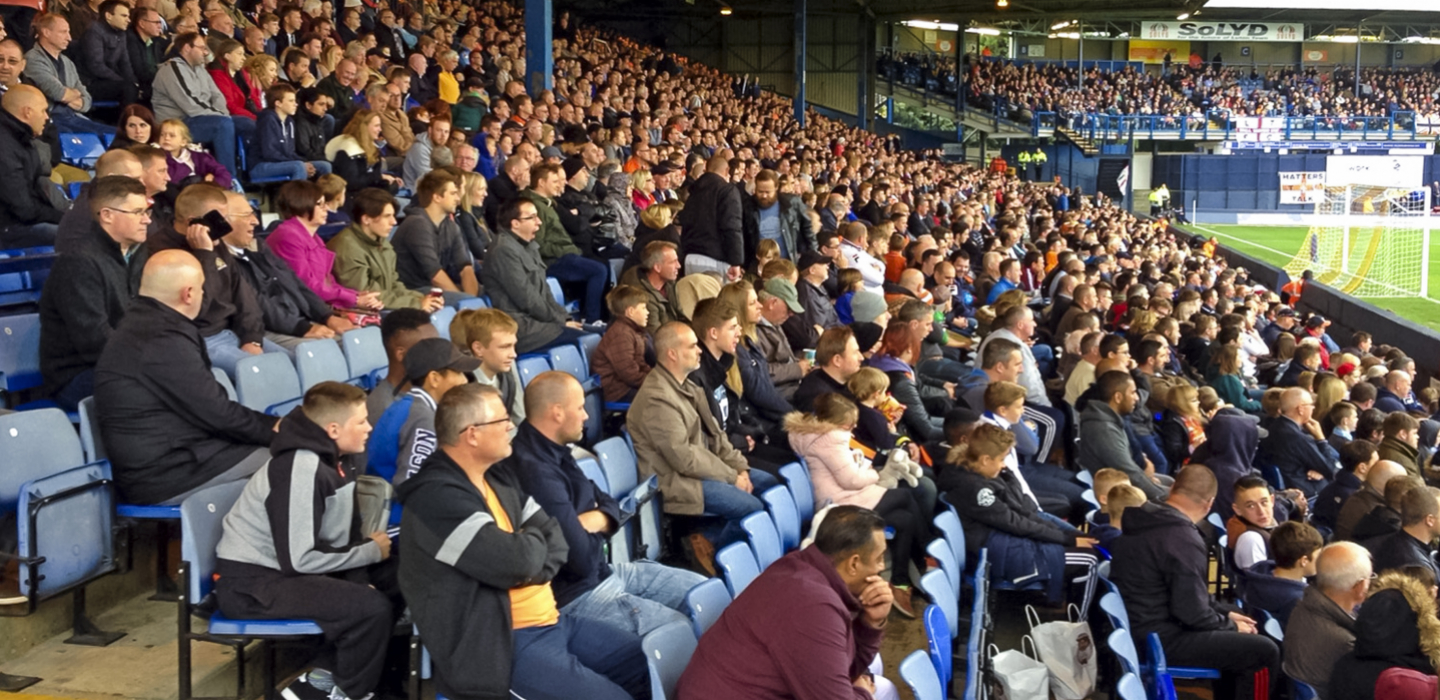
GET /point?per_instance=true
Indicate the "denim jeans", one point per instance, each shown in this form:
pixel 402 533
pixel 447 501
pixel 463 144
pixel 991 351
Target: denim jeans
pixel 220 132
pixel 573 268
pixel 68 398
pixel 578 658
pixel 637 597
pixel 294 169
pixel 1150 445
pixel 69 121
pixel 225 352
pixel 28 235
pixel 730 503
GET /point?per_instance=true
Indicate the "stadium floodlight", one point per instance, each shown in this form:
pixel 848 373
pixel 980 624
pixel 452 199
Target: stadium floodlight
pixel 1369 241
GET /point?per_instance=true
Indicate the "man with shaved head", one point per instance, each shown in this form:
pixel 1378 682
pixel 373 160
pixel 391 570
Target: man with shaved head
pixel 1298 446
pixel 1322 625
pixel 712 220
pixel 28 217
pixel 635 596
pixel 168 426
pixel 77 222
pixel 1370 496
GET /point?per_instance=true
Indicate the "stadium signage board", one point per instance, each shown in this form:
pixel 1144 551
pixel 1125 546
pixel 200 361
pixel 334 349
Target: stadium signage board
pixel 1357 147
pixel 1224 31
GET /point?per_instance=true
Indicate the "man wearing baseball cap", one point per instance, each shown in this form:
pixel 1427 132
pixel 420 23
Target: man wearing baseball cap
pixel 405 434
pixel 778 302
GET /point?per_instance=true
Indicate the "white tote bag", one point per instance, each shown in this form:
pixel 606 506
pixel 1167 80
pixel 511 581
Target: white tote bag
pixel 1068 650
pixel 1019 676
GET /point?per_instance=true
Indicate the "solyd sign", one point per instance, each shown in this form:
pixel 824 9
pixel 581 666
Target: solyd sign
pixel 1224 31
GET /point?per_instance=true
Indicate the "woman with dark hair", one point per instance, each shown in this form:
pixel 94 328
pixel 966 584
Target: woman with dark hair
pixel 355 157
pixel 242 95
pixel 899 350
pixel 137 126
pixel 295 241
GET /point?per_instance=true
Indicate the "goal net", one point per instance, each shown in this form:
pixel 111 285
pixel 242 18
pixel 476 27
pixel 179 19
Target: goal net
pixel 1369 241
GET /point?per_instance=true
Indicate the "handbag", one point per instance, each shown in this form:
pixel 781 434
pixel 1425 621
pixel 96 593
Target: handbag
pixel 1018 675
pixel 1068 650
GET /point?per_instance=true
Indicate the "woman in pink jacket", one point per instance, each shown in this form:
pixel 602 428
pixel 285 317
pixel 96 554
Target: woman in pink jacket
pixel 840 474
pixel 295 241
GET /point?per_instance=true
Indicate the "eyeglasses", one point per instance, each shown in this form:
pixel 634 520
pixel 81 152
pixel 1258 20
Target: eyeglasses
pixel 142 213
pixel 506 420
pixel 528 218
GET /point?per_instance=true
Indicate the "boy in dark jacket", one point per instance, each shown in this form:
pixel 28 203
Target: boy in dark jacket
pixel 1275 586
pixel 479 560
pixel 292 545
pixel 275 139
pixel 625 354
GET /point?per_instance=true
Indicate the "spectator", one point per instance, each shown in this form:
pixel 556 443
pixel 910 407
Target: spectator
pixel 1357 457
pixel 430 251
pixel 778 302
pixel 417 157
pixel 166 424
pixel 488 335
pixel 1161 566
pixel 1395 628
pixel 819 313
pixel 90 286
pixel 1229 452
pixel 832 591
pixel 1252 522
pixel 852 247
pixel 1419 526
pixel 186 163
pixel 899 351
pixel 1182 429
pixel 625 354
pixel 1322 624
pixel 514 177
pixel 1401 442
pixel 470 215
pixel 636 597
pixel 1106 442
pixel 1368 498
pixel 713 223
pixel 340 87
pixel 837 359
pixel 295 241
pixel 76 225
pixel 365 260
pixel 399 331
pixel 505 568
pixel 775 217
pixel 184 91
pixel 146 44
pixel 563 258
pixel 394 125
pixel 28 215
pixel 1297 446
pixel 1276 586
pixel 677 437
pixel 659 269
pixel 355 154
pixel 137 128
pixel 290 546
pixel 52 71
pixel 515 278
pixel 313 127
pixel 106 65
pixel 275 139
pixel 293 313
pixel 242 95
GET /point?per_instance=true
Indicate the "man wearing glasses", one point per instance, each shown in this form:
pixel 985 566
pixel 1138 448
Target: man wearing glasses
pixel 185 91
pixel 90 286
pixel 514 277
pixel 479 560
pixel 1298 446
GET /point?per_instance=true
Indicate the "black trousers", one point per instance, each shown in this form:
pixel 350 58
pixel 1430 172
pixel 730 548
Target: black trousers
pixel 356 618
pixel 1237 656
pixel 900 511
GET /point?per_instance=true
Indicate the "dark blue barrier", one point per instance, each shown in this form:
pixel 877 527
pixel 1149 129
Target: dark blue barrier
pixel 1247 182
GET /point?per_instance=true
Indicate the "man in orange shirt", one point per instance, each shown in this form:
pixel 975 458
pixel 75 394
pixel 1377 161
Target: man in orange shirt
pixel 1290 293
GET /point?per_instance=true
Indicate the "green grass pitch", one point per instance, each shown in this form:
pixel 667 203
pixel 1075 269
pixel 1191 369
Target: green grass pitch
pixel 1277 245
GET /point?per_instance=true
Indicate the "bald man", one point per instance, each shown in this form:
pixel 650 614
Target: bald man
pixel 77 222
pixel 1322 625
pixel 712 219
pixel 1298 447
pixel 167 425
pixel 1369 497
pixel 28 216
pixel 637 597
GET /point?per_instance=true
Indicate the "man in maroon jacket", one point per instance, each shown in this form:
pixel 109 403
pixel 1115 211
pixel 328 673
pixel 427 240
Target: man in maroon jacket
pixel 808 627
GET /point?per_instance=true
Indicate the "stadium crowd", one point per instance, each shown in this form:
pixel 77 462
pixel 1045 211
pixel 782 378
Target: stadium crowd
pixel 910 328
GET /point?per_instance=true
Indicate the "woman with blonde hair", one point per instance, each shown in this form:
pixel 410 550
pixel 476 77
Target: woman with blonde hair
pixel 329 58
pixel 641 193
pixel 355 156
pixel 471 214
pixel 263 69
pixel 1182 427
pixel 1329 390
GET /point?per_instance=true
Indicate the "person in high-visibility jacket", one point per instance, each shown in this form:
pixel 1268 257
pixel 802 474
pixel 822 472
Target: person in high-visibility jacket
pixel 1024 160
pixel 1039 159
pixel 1159 198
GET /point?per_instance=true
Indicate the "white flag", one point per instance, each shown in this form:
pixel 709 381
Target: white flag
pixel 1124 181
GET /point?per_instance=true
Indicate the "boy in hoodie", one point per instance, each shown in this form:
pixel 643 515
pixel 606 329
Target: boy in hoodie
pixel 275 139
pixel 1276 585
pixel 625 354
pixel 292 546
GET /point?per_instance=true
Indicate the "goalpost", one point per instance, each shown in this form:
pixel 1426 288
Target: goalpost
pixel 1369 241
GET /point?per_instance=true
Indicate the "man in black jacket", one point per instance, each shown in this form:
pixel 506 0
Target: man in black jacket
pixel 716 325
pixel 513 178
pixel 480 558
pixel 168 427
pixel 75 227
pixel 1297 446
pixel 1161 565
pixel 712 222
pixel 146 44
pixel 1419 526
pixel 779 217
pixel 28 216
pixel 105 56
pixel 293 313
pixel 89 287
pixel 634 596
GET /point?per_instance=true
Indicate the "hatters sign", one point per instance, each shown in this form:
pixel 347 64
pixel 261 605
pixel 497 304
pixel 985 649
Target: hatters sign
pixel 1224 31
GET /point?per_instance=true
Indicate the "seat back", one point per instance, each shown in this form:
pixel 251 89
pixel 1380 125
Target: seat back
pixel 66 523
pixel 667 652
pixel 567 359
pixel 473 303
pixel 588 343
pixel 90 442
pixel 1272 474
pixel 618 463
pixel 223 380
pixel 531 367
pixel 954 533
pixel 760 530
pixel 1303 691
pixel 36 444
pixel 1114 607
pixel 940 549
pixel 706 601
pixel 737 563
pixel 787 519
pixel 19 352
pixel 81 149
pixel 441 320
pixel 1130 687
pixel 556 290
pixel 1123 646
pixel 592 471
pixel 265 382
pixel 202 517
pixel 364 353
pixel 937 588
pixel 920 675
pixel 939 643
pixel 798 479
pixel 1271 627
pixel 320 361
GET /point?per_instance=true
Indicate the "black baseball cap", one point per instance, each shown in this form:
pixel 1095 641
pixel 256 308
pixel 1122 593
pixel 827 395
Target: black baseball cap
pixel 434 355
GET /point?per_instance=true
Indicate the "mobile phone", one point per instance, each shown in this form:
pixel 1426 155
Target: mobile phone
pixel 217 223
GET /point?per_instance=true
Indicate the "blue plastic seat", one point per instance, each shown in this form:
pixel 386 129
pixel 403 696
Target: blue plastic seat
pixel 797 477
pixel 954 535
pixel 81 149
pixel 530 367
pixel 1271 627
pixel 1130 687
pixel 365 355
pixel 588 343
pixel 939 643
pixel 737 562
pixel 937 588
pixel 920 675
pixel 760 531
pixel 1303 691
pixel 940 550
pixel 1159 667
pixel 441 320
pixel 473 303
pixel 617 460
pixel 1272 474
pixel 567 359
pixel 19 352
pixel 228 386
pixel 90 442
pixel 787 519
pixel 320 361
pixel 667 652
pixel 201 525
pixel 706 601
pixel 245 168
pixel 557 291
pixel 268 383
pixel 1114 608
pixel 1123 647
pixel 592 471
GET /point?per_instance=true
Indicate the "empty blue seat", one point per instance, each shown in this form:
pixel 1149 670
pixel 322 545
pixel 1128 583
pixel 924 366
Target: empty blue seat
pixel 531 366
pixel 919 673
pixel 1130 687
pixel 365 355
pixel 441 320
pixel 706 601
pixel 320 361
pixel 618 463
pixel 223 380
pixel 592 471
pixel 787 519
pixel 737 562
pixel 19 352
pixel 1123 647
pixel 937 588
pixel 588 343
pixel 940 550
pixel 667 652
pixel 797 477
pixel 568 359
pixel 267 383
pixel 81 150
pixel 939 643
pixel 760 531
pixel 90 442
pixel 954 535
